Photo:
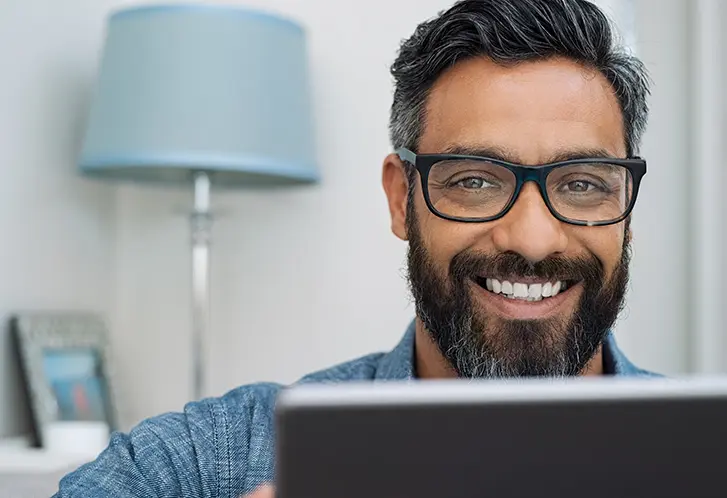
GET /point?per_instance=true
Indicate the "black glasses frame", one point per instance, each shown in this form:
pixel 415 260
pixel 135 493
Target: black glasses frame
pixel 423 163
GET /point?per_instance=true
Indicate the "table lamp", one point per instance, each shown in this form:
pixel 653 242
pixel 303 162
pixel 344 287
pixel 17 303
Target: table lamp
pixel 201 96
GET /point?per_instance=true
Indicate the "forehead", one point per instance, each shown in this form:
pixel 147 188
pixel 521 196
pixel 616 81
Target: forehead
pixel 530 110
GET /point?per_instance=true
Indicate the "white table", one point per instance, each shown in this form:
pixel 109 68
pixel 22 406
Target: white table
pixel 31 472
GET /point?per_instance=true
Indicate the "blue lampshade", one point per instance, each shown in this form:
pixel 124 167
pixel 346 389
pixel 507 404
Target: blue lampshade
pixel 198 88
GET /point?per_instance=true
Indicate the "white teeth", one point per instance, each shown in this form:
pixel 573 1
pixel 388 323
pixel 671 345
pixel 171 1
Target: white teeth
pixel 535 290
pixel 496 286
pixel 520 290
pixel 506 287
pixel 547 289
pixel 526 292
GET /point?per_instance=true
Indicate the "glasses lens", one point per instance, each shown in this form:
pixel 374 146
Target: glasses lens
pixel 594 192
pixel 465 188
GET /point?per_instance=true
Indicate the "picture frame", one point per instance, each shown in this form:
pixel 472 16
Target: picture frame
pixel 65 361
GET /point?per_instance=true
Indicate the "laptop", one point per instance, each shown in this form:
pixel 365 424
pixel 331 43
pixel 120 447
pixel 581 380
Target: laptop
pixel 578 438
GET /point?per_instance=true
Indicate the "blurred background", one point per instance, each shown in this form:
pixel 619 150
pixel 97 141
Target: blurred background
pixel 305 278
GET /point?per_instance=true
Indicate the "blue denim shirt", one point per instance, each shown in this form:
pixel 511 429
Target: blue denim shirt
pixel 224 447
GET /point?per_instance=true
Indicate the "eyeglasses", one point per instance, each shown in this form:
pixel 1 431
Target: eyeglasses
pixel 588 192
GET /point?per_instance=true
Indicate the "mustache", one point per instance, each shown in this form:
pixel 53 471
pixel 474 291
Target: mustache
pixel 467 265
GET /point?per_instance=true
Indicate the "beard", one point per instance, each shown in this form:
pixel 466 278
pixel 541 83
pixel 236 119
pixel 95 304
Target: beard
pixel 480 346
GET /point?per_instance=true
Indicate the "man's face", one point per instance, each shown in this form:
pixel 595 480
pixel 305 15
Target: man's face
pixel 530 113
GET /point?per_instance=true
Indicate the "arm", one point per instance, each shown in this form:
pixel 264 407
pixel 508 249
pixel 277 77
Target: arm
pixel 156 459
pixel 217 448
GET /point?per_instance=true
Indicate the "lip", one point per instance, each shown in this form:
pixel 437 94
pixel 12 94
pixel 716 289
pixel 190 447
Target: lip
pixel 527 310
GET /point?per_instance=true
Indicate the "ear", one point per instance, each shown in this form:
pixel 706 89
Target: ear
pixel 396 187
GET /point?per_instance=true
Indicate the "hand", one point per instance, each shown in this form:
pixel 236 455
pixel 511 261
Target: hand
pixel 266 491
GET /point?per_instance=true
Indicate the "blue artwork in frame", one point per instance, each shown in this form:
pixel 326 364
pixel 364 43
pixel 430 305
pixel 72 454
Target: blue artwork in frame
pixel 78 384
pixel 65 360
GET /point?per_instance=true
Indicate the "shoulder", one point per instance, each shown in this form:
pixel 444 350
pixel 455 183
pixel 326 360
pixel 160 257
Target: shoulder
pixel 619 364
pixel 360 369
pixel 245 415
pixel 245 401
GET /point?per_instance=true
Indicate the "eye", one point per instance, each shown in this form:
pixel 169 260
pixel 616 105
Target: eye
pixel 473 183
pixel 583 186
pixel 580 186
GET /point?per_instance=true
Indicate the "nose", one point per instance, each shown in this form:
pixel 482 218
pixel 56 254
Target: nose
pixel 529 228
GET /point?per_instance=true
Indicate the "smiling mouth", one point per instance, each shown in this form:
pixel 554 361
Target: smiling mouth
pixel 537 290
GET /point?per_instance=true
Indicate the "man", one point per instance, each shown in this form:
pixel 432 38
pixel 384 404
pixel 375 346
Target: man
pixel 515 125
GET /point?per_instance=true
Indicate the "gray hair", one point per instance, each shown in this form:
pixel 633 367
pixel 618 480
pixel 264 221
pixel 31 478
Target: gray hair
pixel 510 31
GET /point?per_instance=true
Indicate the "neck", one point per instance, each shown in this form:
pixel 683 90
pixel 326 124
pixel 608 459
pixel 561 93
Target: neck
pixel 431 363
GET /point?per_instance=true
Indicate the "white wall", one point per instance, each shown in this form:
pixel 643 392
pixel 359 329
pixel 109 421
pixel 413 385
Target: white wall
pixel 57 243
pixel 654 328
pixel 707 174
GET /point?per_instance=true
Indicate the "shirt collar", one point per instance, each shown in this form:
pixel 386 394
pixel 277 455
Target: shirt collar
pixel 398 364
pixel 615 362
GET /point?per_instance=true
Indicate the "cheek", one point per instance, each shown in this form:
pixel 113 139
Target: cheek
pixel 606 243
pixel 444 239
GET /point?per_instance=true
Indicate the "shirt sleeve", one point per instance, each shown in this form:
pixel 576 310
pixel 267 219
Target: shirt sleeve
pixel 217 448
pixel 156 459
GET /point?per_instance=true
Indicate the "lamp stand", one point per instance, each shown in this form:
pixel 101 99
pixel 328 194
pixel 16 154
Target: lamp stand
pixel 201 227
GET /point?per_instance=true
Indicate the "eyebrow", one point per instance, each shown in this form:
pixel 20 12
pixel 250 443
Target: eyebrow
pixel 506 155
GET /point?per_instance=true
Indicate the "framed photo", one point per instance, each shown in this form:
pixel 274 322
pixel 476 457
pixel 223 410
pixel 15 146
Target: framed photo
pixel 66 364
